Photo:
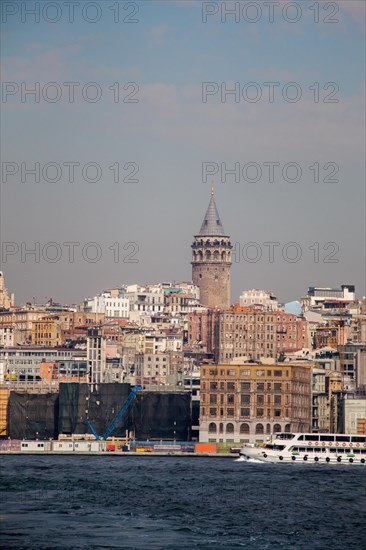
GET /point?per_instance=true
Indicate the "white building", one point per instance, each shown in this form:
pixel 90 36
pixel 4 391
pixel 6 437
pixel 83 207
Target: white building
pixel 317 296
pixel 6 336
pixel 96 354
pixel 117 307
pixel 262 298
pixel 354 416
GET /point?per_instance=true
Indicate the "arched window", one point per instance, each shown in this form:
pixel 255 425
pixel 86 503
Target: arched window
pixel 288 428
pixel 276 428
pixel 194 256
pixel 223 256
pixel 221 428
pixel 212 428
pixel 200 256
pixel 244 428
pixel 268 429
pixel 259 429
pixel 216 255
pixel 208 255
pixel 230 428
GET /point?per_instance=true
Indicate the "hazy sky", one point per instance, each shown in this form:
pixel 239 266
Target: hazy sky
pixel 168 132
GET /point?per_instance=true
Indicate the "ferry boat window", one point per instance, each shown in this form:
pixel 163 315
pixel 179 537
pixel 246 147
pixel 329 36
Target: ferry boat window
pixel 311 437
pixel 359 439
pixel 301 438
pixel 302 449
pixel 327 438
pixel 333 450
pixel 342 438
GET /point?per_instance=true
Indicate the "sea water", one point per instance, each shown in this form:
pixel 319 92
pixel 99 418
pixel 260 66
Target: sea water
pixel 122 502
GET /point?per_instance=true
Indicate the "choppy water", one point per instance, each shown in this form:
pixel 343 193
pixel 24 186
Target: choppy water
pixel 81 502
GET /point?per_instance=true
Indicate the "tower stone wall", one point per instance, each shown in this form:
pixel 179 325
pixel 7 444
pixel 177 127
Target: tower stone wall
pixel 211 260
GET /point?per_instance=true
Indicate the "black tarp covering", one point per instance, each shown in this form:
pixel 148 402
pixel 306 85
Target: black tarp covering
pixel 162 415
pixel 33 416
pixel 99 404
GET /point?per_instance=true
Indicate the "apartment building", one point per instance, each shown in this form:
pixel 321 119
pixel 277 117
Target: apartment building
pixel 249 402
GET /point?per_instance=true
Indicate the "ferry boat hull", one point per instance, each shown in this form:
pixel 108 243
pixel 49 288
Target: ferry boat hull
pixel 309 449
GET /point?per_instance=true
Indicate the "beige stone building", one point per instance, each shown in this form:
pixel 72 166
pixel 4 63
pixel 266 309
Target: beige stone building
pixel 249 402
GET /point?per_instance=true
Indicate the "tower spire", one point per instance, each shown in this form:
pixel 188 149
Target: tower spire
pixel 212 224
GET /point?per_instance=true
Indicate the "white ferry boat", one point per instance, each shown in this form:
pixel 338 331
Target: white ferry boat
pixel 309 448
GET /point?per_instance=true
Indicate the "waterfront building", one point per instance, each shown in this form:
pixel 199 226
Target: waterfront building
pixel 249 402
pixel 354 416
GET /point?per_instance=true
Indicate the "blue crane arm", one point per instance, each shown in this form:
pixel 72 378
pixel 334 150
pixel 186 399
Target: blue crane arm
pixel 121 412
pixel 93 430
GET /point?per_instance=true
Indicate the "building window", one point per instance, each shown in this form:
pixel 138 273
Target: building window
pixel 245 372
pixel 260 399
pixel 278 373
pixel 231 386
pixel 259 429
pixel 276 428
pixel 245 413
pixel 277 399
pixel 213 386
pixel 245 386
pixel 260 413
pixel 230 399
pixel 277 412
pixel 230 428
pixel 212 428
pixel 213 399
pixel 230 412
pixel 244 428
pixel 278 386
pixel 260 386
pixel 245 399
pixel 212 411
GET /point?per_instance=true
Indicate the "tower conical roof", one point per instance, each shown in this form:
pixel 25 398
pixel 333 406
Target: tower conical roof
pixel 211 225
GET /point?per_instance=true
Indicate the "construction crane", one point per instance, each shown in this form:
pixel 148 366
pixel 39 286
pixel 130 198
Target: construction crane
pixel 118 416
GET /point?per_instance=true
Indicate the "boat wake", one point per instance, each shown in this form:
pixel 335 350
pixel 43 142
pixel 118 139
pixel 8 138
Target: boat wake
pixel 250 460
